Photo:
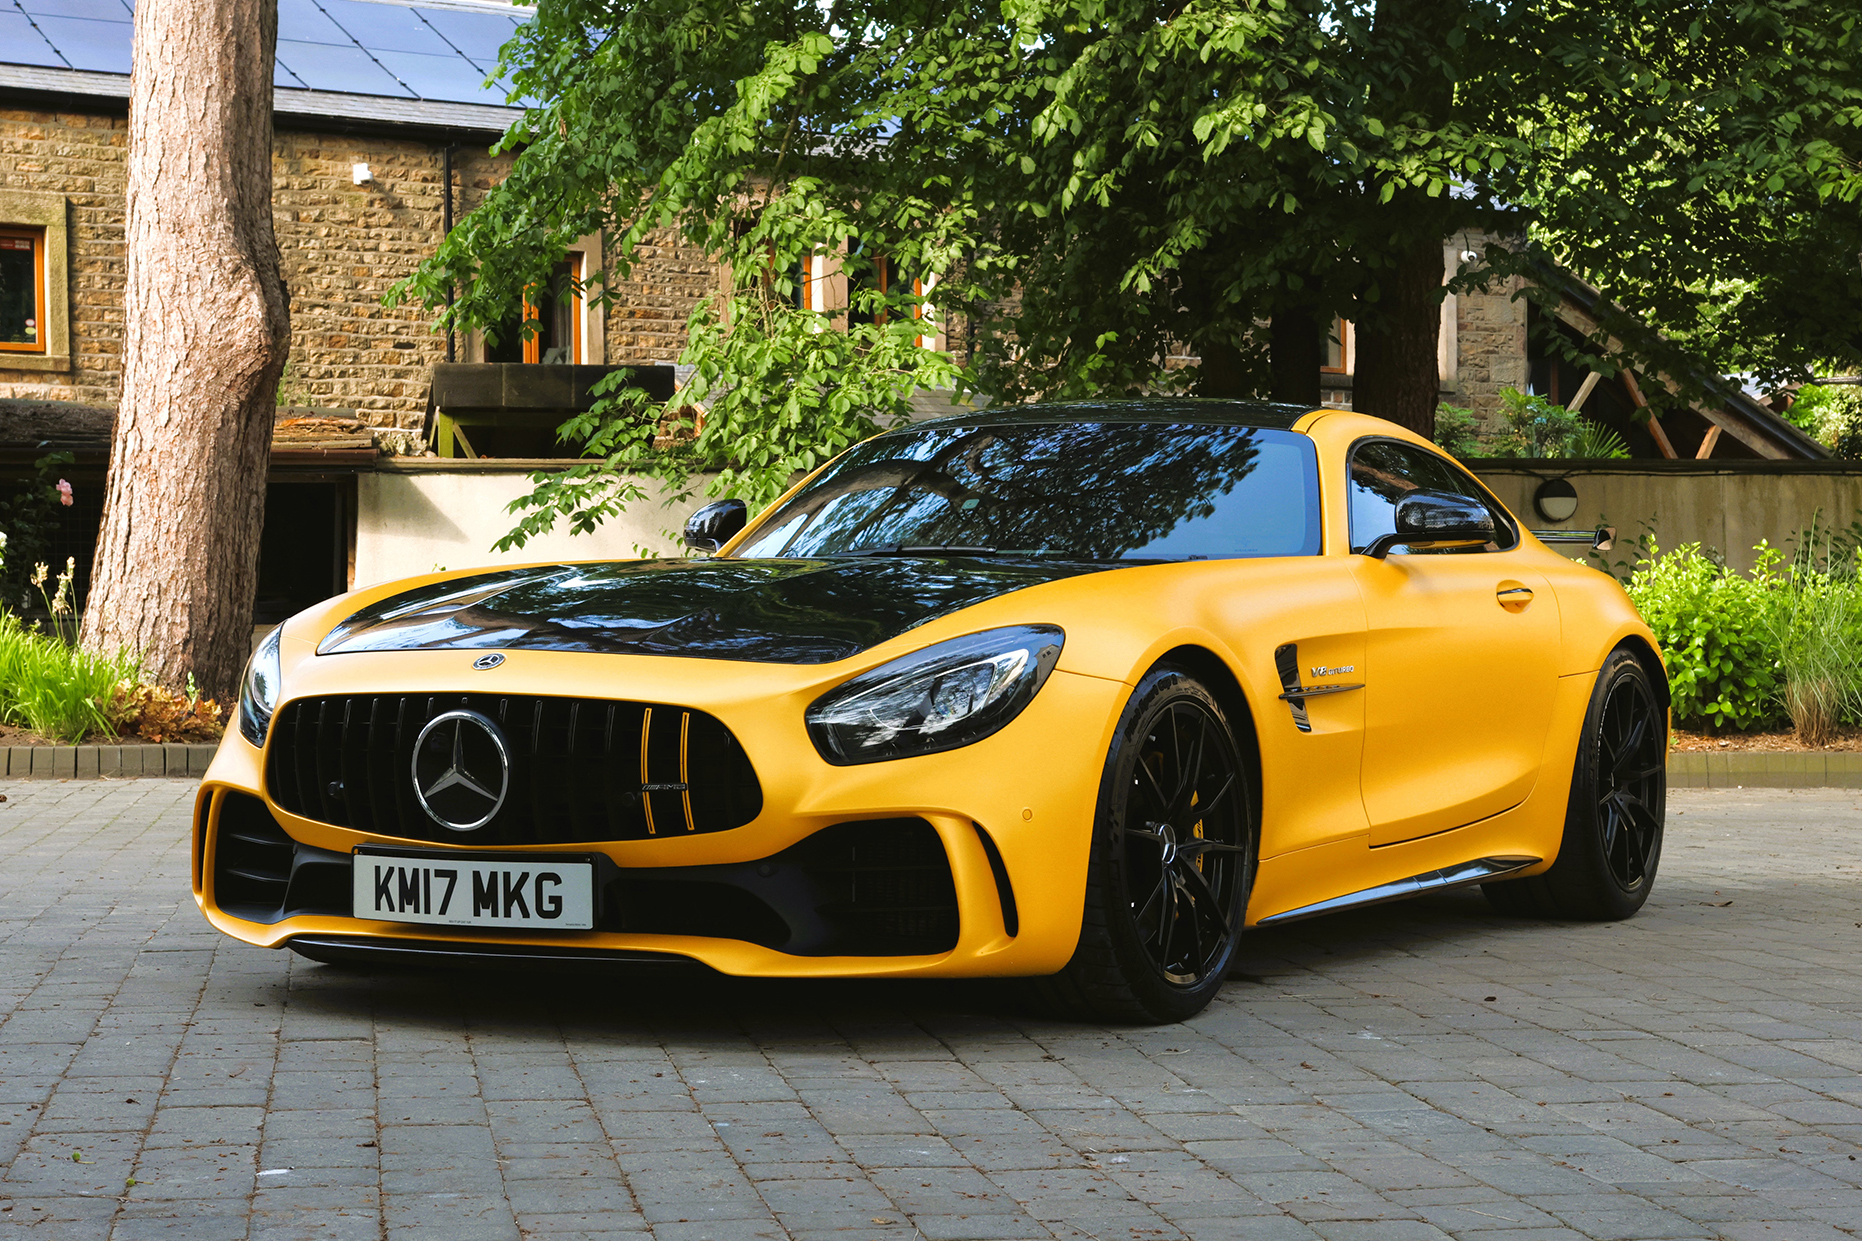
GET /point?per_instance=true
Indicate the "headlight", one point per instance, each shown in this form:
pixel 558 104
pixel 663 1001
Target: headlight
pixel 258 690
pixel 940 698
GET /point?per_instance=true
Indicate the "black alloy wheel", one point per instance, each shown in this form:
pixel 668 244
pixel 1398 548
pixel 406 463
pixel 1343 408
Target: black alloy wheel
pixel 1613 823
pixel 1173 860
pixel 1630 782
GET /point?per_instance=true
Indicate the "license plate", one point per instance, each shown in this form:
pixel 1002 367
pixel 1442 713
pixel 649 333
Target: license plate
pixel 549 893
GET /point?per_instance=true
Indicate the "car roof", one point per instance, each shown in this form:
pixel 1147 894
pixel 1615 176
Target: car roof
pixel 1209 411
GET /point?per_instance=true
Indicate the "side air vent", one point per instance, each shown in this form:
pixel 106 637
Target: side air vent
pixel 262 875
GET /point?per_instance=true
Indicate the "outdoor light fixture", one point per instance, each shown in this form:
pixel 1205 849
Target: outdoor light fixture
pixel 361 173
pixel 1556 499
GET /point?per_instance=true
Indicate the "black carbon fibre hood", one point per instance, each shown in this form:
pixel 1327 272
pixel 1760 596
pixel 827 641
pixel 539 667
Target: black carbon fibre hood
pixel 765 611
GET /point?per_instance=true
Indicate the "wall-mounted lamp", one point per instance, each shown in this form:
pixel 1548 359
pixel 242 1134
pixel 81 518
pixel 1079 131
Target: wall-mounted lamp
pixel 1556 499
pixel 361 174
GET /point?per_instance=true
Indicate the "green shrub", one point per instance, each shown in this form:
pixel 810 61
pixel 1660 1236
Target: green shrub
pixel 54 689
pixel 1832 415
pixel 1529 426
pixel 1594 441
pixel 1715 632
pixel 1457 431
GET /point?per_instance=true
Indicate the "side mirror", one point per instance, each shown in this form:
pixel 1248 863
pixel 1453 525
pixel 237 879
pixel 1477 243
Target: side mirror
pixel 714 525
pixel 1435 519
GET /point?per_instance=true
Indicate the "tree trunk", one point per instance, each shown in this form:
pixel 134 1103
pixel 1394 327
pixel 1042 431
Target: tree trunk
pixel 1222 372
pixel 1398 375
pixel 1293 357
pixel 206 330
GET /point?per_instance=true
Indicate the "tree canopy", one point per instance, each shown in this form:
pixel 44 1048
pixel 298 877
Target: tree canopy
pixel 1102 184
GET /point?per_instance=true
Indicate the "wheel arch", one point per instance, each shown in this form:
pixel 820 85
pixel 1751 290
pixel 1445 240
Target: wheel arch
pixel 1212 670
pixel 1651 663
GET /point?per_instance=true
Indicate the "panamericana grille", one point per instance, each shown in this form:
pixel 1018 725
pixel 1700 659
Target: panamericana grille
pixel 582 770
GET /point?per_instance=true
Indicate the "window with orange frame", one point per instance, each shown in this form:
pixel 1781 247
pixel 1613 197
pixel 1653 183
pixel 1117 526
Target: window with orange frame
pixel 22 290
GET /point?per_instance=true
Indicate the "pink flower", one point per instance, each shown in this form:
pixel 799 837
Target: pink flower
pixel 64 493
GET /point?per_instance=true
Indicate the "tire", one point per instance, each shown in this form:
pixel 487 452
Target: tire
pixel 1165 891
pixel 1613 825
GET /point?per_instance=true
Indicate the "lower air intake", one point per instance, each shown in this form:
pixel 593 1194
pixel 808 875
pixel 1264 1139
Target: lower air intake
pixel 873 888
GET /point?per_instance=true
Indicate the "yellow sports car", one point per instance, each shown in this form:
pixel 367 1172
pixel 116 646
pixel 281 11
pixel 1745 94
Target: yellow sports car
pixel 1070 692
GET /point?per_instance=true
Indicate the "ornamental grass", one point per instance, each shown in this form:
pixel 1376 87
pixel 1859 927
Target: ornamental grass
pixel 51 687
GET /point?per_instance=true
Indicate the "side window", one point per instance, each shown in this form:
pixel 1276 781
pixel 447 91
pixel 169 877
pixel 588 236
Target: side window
pixel 1382 472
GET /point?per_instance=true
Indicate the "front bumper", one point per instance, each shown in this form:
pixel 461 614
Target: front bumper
pixel 1010 817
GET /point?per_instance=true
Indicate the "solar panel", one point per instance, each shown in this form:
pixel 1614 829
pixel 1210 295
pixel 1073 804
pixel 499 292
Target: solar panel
pixel 387 27
pixel 347 69
pixel 428 53
pixel 23 44
pixel 95 10
pixel 102 47
pixel 301 21
pixel 478 35
pixel 450 77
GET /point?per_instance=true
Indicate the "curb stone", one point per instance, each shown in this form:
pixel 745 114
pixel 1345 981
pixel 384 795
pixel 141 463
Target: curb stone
pixel 1694 769
pixel 90 762
pixel 1799 769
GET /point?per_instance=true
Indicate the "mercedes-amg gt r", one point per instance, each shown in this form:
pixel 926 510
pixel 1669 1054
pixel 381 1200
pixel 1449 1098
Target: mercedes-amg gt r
pixel 1070 692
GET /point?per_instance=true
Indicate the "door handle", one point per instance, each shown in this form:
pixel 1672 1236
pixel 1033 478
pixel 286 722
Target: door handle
pixel 1512 596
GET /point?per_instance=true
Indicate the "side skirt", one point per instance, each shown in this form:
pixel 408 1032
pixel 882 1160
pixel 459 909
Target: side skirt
pixel 1480 870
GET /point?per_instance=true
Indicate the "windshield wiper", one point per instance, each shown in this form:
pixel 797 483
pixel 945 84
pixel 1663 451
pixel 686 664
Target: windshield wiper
pixel 927 549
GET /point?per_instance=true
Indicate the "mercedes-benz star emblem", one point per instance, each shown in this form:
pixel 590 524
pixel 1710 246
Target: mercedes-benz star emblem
pixel 462 770
pixel 488 661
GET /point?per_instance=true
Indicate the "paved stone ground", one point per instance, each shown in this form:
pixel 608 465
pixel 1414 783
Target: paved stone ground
pixel 1409 1072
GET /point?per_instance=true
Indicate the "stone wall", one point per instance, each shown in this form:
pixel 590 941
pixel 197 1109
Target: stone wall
pixel 1490 335
pixel 646 323
pixel 81 157
pixel 343 246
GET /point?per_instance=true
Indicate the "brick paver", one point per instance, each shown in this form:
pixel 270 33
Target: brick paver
pixel 1414 1071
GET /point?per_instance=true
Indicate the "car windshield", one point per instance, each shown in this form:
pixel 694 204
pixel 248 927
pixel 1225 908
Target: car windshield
pixel 1073 490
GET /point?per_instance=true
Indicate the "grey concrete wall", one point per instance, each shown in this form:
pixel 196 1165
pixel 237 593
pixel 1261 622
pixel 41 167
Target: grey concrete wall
pixel 1718 504
pixel 413 518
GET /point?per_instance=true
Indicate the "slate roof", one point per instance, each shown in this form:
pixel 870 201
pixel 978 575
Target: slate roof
pixel 405 61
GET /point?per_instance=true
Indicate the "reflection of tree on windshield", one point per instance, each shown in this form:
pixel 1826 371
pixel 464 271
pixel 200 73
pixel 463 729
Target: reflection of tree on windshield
pixel 1098 491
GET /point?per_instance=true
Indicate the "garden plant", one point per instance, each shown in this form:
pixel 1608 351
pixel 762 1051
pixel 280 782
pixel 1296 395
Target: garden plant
pixel 1750 651
pixel 53 689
